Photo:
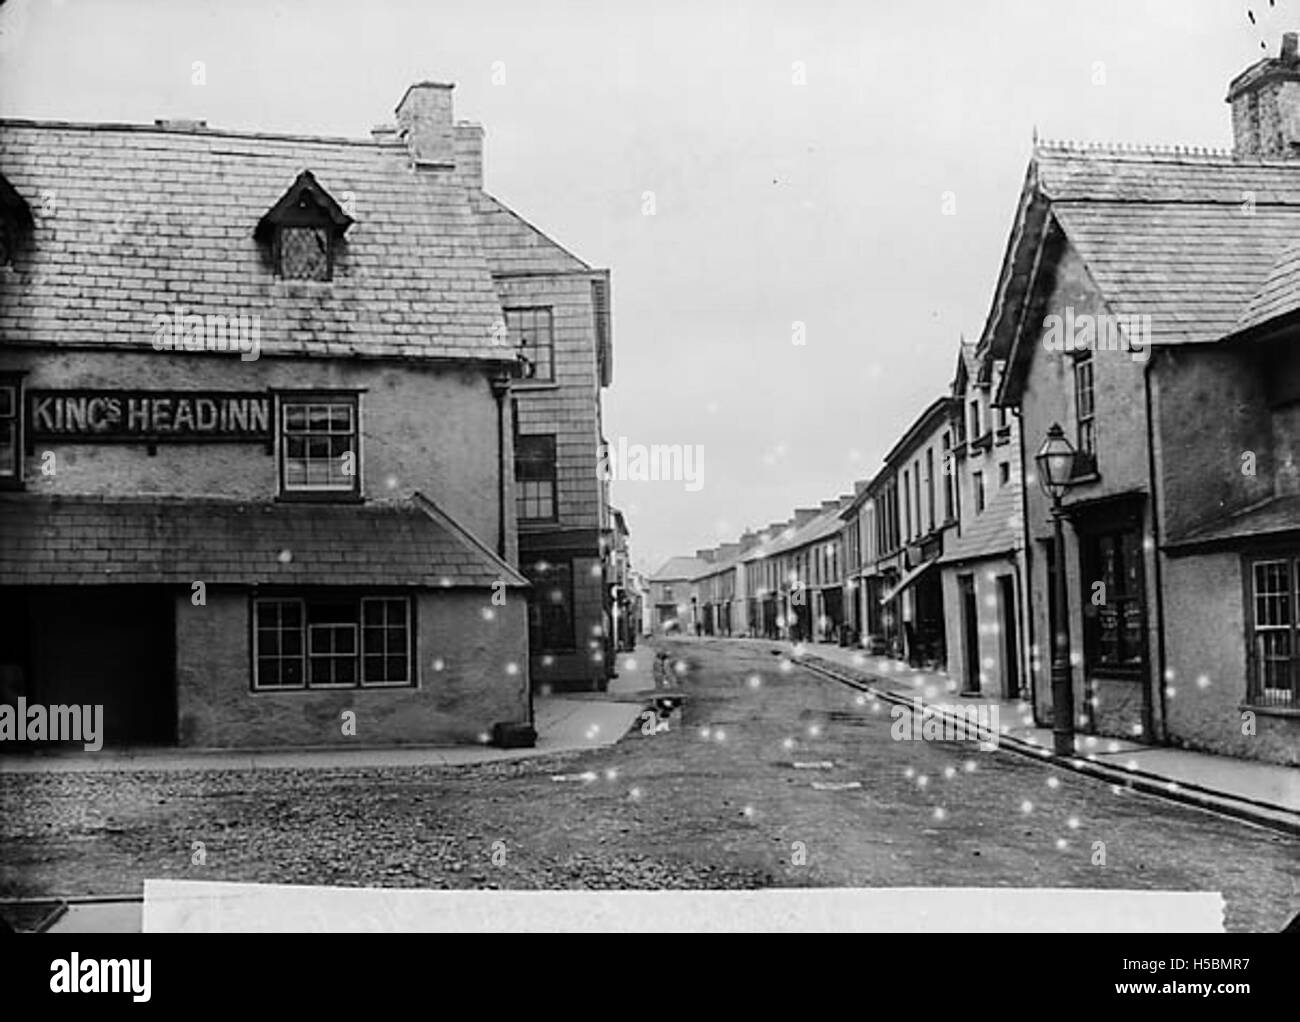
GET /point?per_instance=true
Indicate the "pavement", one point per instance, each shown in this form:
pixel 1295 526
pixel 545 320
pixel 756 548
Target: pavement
pixel 571 722
pixel 1265 793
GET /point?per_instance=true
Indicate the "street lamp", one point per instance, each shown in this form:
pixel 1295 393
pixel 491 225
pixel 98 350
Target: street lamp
pixel 1055 460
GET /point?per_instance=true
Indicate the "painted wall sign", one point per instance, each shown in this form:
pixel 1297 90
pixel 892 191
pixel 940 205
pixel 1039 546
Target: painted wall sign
pixel 148 416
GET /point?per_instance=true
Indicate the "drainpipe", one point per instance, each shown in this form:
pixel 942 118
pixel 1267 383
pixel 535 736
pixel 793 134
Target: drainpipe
pixel 1159 579
pixel 500 388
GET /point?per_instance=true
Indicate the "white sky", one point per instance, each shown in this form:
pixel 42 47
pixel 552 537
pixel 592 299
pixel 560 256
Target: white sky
pixel 775 202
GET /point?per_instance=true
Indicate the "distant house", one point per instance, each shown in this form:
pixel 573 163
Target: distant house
pixel 1176 276
pixel 673 599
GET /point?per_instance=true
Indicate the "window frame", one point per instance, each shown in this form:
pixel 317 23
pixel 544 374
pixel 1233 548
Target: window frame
pixel 1255 687
pixel 553 478
pixel 13 380
pixel 1085 425
pixel 537 627
pixel 1091 564
pixel 303 599
pixel 305 223
pixel 518 310
pixel 283 400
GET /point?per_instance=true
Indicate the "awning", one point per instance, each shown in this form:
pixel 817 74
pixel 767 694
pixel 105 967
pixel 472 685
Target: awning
pixel 908 578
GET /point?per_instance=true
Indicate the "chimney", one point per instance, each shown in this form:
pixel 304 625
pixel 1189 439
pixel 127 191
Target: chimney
pixel 1265 101
pixel 804 515
pixel 705 555
pixel 469 153
pixel 727 551
pixel 830 505
pixel 748 540
pixel 859 486
pixel 425 120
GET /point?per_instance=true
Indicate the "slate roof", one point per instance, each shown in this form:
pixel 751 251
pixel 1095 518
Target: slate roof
pixel 513 245
pixel 94 540
pixel 824 524
pixel 678 568
pixel 1275 515
pixel 998 529
pixel 1189 237
pixel 147 218
pixel 1279 294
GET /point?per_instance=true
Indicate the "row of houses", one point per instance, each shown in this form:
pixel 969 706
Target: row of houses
pixel 1138 381
pixel 296 427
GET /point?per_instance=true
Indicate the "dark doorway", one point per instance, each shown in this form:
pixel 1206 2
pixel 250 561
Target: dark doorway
pixel 1010 636
pixel 970 633
pixel 112 646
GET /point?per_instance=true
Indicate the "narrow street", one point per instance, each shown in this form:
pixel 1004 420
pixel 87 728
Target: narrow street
pixel 715 801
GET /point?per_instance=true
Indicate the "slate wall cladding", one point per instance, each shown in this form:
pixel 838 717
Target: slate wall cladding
pixel 473 690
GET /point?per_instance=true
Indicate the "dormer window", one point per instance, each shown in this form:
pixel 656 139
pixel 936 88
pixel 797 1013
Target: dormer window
pixel 304 231
pixel 15 220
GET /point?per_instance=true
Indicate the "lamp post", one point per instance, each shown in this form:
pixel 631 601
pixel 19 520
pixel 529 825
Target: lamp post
pixel 1055 460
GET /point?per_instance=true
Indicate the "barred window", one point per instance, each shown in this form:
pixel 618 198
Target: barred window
pixel 1274 678
pixel 318 447
pixel 535 478
pixel 342 642
pixel 304 253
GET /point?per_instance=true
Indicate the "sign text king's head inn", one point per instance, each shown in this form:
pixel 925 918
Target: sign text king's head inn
pixel 147 416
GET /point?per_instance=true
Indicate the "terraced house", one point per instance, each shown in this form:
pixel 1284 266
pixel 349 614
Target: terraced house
pixel 1182 536
pixel 257 436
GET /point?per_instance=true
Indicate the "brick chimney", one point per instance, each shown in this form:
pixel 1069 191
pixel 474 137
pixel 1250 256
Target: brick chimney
pixel 424 118
pixel 728 550
pixel 830 505
pixel 804 515
pixel 705 555
pixel 859 486
pixel 1265 101
pixel 748 540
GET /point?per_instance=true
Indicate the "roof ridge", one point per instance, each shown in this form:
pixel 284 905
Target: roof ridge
pixel 1136 149
pixel 196 128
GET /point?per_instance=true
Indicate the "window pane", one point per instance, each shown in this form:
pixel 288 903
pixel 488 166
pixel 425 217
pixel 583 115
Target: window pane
pixel 318 436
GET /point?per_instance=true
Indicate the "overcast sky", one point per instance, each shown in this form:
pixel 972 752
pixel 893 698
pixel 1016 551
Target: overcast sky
pixel 774 202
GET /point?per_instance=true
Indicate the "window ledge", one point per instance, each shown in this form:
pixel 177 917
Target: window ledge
pixel 537 385
pixel 982 442
pixel 1271 711
pixel 1114 673
pixel 320 498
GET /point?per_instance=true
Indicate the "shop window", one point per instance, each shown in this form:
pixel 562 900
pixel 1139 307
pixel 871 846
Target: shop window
pixel 1274 677
pixel 535 478
pixel 11 451
pixel 532 333
pixel 1114 615
pixel 550 610
pixel 346 642
pixel 319 449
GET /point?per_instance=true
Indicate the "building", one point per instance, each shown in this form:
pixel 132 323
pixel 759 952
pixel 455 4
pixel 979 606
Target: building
pixel 1172 277
pixel 626 610
pixel 720 592
pixel 557 310
pixel 861 579
pixel 982 568
pixel 910 536
pixel 255 434
pixel 673 599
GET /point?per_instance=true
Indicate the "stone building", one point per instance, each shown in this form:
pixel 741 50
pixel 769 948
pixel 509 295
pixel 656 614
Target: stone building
pixel 1171 277
pixel 257 436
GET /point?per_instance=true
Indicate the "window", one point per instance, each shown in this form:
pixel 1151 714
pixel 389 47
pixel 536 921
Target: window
pixel 1004 473
pixel 304 229
pixel 11 453
pixel 907 505
pixel 929 483
pixel 949 478
pixel 1085 413
pixel 535 478
pixel 532 333
pixel 335 642
pixel 1114 628
pixel 318 446
pixel 550 610
pixel 975 431
pixel 1274 654
pixel 978 479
